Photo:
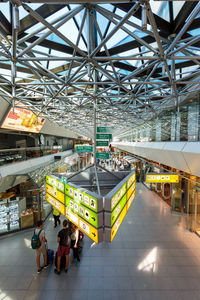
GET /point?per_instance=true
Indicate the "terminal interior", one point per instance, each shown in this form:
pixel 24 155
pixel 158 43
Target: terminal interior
pixel 101 98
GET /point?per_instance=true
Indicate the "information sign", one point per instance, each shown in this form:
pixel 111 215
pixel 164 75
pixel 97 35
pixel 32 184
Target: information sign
pixel 115 213
pixel 130 181
pixel 117 196
pixel 104 136
pixel 55 183
pixel 130 190
pixel 121 217
pixel 84 148
pixel 81 197
pixel 102 155
pixel 102 143
pixel 102 129
pixel 55 193
pixel 83 225
pixel 85 213
pixel 59 206
pixel 162 178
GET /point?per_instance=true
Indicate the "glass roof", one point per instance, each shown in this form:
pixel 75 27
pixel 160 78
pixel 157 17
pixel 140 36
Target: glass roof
pixel 129 60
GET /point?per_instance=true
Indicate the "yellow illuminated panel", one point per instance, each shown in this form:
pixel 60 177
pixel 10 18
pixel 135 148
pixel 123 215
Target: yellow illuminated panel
pixel 159 178
pixel 118 223
pixel 130 191
pixel 130 180
pixel 130 201
pixel 55 193
pixel 59 206
pixel 82 224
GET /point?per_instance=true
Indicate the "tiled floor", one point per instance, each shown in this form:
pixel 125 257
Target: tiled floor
pixel 151 258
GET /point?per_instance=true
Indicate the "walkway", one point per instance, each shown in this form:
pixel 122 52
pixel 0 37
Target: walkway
pixel 151 258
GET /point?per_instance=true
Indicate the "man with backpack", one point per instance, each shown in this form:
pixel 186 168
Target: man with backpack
pixel 38 243
pixel 64 246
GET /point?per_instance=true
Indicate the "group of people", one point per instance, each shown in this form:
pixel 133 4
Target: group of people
pixel 68 237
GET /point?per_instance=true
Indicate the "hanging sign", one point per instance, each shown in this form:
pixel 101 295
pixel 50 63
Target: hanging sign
pixel 59 206
pixel 102 155
pixel 162 178
pixel 102 129
pixel 88 215
pixel 102 143
pixel 104 136
pixel 86 148
pixel 93 233
pixel 55 193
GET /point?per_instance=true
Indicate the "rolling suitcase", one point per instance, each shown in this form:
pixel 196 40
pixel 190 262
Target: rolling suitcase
pixel 50 256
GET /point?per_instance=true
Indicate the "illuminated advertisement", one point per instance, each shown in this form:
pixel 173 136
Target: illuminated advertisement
pixel 22 119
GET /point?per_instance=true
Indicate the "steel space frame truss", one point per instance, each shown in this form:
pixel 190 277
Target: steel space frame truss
pixel 129 83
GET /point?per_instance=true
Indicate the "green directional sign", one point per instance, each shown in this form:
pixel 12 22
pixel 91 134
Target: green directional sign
pixel 84 148
pixel 102 155
pixel 104 129
pixel 104 136
pixel 85 213
pixel 102 143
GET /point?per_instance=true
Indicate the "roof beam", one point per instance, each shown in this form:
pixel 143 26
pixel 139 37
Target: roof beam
pixel 5 26
pixel 45 11
pixel 160 23
pixel 183 15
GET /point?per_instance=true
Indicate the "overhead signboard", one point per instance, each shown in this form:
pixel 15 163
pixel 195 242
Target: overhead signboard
pixel 162 178
pixel 85 197
pixel 103 129
pixel 53 181
pixel 93 233
pixel 111 232
pixel 104 136
pixel 88 215
pixel 84 148
pixel 102 143
pixel 59 206
pixel 116 205
pixel 22 119
pixel 102 155
pixel 55 193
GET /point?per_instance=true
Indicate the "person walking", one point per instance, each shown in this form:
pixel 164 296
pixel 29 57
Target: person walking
pixel 42 249
pixel 74 244
pixel 56 215
pixel 64 246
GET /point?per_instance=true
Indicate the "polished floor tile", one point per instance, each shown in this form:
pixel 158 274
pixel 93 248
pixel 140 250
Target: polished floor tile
pixel 151 258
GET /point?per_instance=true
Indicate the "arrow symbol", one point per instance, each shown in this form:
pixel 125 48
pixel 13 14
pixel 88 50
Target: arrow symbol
pixel 93 218
pixel 93 234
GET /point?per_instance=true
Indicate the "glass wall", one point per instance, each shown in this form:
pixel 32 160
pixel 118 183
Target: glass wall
pixel 170 125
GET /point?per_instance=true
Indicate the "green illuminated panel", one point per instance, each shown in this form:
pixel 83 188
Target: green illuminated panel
pixel 81 197
pixel 58 184
pixel 85 213
pixel 118 195
pixel 115 213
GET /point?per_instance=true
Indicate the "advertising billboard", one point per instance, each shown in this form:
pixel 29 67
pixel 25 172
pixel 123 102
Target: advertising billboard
pixel 22 119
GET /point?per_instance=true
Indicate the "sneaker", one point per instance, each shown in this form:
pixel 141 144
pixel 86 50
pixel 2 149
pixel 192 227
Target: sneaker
pixel 39 270
pixel 73 261
pixel 46 266
pixel 66 270
pixel 78 263
pixel 57 272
